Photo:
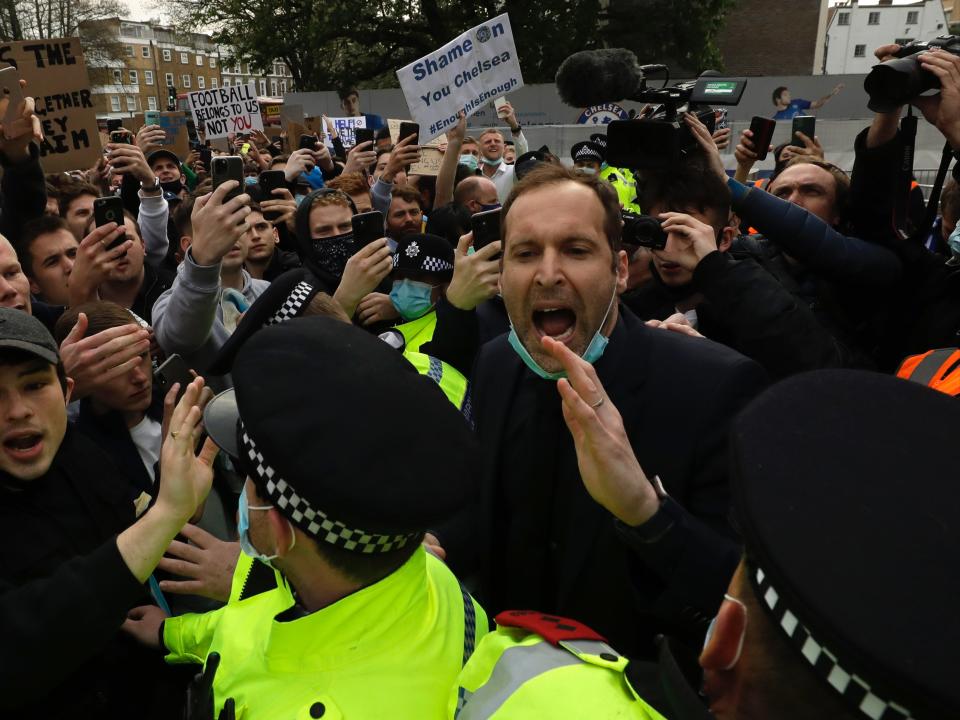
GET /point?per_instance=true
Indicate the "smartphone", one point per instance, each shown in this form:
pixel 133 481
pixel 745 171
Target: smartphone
pixel 720 119
pixel 107 210
pixel 269 181
pixel 205 155
pixel 120 136
pixel 151 117
pixel 499 103
pixel 363 135
pixel 174 370
pixel 308 142
pixel 114 124
pixel 407 129
pixel 11 92
pixel 227 167
pixel 762 129
pixel 367 227
pixel 486 228
pixel 807 124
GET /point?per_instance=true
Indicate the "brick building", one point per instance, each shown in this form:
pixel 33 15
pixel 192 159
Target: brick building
pixel 155 58
pixel 774 37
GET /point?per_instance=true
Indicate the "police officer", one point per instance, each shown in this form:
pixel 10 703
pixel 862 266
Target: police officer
pixel 622 179
pixel 422 269
pixel 844 603
pixel 297 293
pixel 349 456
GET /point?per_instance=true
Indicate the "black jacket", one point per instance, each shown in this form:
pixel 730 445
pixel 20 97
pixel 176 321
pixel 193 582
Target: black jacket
pixel 537 539
pixel 155 283
pixel 23 194
pixel 74 510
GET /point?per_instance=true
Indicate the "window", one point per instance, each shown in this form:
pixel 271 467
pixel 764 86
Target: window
pixel 167 55
pixel 128 49
pixel 168 78
pixel 131 30
pixel 263 86
pixel 226 82
pixel 148 77
pixel 273 88
pixel 860 51
pixel 201 82
pixel 133 78
pixel 151 103
pixel 199 60
pixel 185 80
pixel 843 18
pixel 913 17
pixel 114 103
pixel 118 77
pixel 873 18
pixel 283 86
pixel 183 59
pixel 131 103
pixel 145 51
pixel 213 83
pixel 213 62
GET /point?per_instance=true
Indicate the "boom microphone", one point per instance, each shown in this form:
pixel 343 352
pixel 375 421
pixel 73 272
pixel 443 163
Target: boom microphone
pixel 594 77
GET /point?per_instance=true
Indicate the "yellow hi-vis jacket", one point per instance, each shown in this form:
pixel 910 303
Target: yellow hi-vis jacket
pixel 450 380
pixel 390 650
pixel 625 185
pixel 417 332
pixel 517 674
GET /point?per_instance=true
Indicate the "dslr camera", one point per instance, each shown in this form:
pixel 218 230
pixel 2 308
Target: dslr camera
pixel 660 138
pixel 896 82
pixel 642 231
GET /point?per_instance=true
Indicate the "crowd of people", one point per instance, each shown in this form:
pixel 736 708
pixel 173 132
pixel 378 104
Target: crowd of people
pixel 638 451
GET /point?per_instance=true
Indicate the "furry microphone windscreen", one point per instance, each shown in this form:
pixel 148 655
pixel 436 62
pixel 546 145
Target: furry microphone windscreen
pixel 593 77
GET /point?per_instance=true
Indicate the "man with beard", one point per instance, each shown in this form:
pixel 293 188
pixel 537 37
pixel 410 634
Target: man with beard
pixel 536 536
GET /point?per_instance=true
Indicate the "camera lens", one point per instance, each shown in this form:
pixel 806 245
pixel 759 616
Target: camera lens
pixel 897 82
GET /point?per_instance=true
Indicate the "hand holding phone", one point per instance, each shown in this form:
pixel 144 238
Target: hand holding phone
pixel 367 227
pixel 409 129
pixel 762 130
pixel 13 94
pixel 486 228
pixel 228 167
pixel 806 124
pixel 110 210
pixel 174 370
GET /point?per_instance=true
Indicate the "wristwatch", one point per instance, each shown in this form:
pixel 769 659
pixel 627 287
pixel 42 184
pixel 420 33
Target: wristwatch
pixel 152 188
pixel 517 129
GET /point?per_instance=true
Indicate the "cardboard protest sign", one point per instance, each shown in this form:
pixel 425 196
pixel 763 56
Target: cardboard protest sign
pixel 56 77
pixel 430 155
pixel 226 110
pixel 465 74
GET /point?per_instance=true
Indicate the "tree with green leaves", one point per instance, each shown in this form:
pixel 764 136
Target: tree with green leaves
pixel 329 43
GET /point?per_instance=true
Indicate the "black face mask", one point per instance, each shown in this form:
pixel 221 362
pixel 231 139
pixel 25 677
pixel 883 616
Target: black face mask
pixel 175 186
pixel 331 254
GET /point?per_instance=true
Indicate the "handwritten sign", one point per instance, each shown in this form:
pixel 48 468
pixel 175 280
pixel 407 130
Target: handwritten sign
pixel 465 74
pixel 430 154
pixel 57 78
pixel 345 129
pixel 226 110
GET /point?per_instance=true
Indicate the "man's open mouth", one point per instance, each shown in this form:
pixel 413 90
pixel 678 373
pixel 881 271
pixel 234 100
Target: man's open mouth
pixel 557 322
pixel 23 445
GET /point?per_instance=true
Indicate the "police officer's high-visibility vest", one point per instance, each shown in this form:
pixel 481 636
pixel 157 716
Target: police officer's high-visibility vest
pixel 417 332
pixel 543 666
pixel 625 185
pixel 390 650
pixel 450 380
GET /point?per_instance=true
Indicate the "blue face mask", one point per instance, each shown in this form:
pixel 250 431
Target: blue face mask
pixel 411 299
pixel 470 161
pixel 243 530
pixel 250 180
pixel 493 163
pixel 954 241
pixel 593 352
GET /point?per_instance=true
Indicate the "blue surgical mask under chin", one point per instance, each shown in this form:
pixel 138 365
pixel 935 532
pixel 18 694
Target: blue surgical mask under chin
pixel 593 352
pixel 470 161
pixel 243 530
pixel 493 163
pixel 250 180
pixel 411 299
pixel 954 243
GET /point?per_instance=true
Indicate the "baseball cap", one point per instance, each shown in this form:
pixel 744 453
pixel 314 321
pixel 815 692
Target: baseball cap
pixel 22 331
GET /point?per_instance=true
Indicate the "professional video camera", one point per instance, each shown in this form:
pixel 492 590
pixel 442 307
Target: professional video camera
pixel 660 137
pixel 896 82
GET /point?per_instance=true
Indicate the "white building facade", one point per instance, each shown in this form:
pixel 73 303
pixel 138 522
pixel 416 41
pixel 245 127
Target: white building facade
pixel 856 29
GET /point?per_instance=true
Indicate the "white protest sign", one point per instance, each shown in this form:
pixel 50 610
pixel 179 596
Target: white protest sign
pixel 345 129
pixel 465 74
pixel 226 110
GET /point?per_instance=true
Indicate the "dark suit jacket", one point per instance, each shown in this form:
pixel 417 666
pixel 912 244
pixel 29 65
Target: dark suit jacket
pixel 676 395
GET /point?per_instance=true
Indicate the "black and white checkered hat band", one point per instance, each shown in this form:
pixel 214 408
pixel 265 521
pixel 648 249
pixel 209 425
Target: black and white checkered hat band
pixel 586 152
pixel 311 520
pixel 294 303
pixel 855 690
pixel 432 264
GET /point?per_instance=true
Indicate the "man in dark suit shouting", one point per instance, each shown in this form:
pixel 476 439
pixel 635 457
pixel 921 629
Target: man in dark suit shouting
pixel 537 538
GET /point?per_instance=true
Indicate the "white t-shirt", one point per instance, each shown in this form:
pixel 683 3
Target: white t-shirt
pixel 146 438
